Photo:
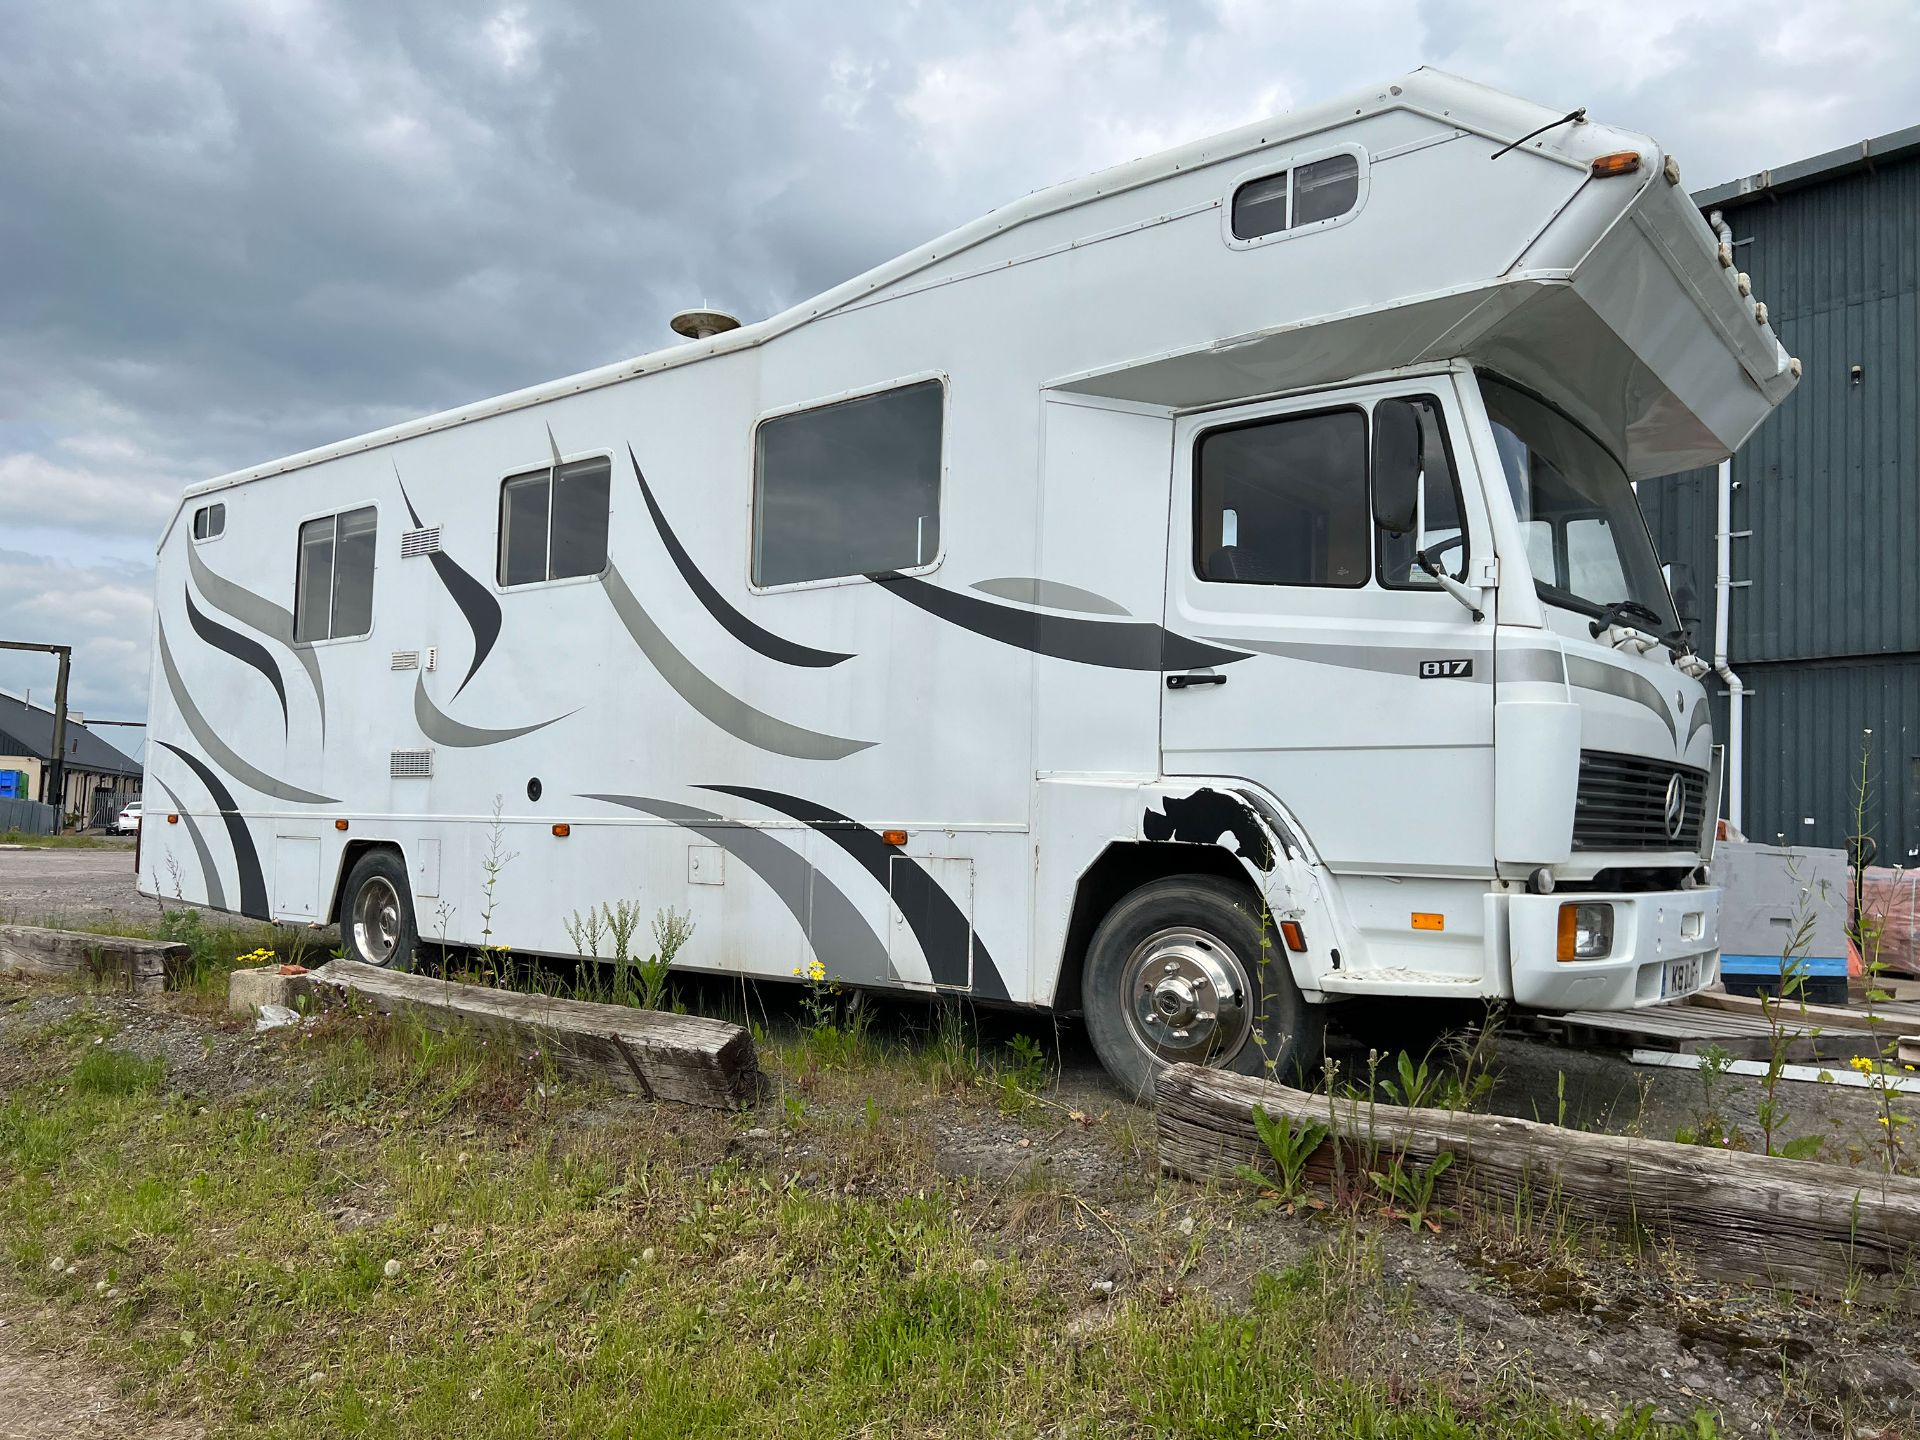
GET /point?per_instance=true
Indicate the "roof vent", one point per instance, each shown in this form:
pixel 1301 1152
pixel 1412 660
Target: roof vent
pixel 702 323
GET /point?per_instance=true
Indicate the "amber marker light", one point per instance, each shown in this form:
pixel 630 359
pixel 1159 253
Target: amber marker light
pixel 339 824
pixel 1426 920
pixel 1620 162
pixel 173 819
pixel 894 837
pixel 1566 932
pixel 1295 937
pixel 562 830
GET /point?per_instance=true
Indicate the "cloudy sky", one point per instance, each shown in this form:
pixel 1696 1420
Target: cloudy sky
pixel 234 229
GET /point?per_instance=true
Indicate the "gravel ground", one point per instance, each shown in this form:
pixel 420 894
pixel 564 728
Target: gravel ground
pixel 39 886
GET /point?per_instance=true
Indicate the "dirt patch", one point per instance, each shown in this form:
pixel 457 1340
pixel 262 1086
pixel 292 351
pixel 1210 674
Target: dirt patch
pixel 47 1396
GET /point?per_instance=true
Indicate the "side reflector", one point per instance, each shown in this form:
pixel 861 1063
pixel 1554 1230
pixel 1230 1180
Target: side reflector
pixel 339 824
pixel 1295 937
pixel 562 830
pixel 1621 162
pixel 894 837
pixel 1565 932
pixel 1423 920
pixel 173 819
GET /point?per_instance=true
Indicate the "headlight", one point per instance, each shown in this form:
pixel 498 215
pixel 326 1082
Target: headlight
pixel 1585 932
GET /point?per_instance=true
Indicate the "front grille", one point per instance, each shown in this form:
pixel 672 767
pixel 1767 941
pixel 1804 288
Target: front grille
pixel 1622 803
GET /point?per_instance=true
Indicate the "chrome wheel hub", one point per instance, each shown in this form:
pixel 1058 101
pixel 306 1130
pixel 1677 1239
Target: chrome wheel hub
pixel 376 921
pixel 1187 997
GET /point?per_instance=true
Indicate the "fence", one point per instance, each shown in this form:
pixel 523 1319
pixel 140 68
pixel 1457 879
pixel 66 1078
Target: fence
pixel 28 816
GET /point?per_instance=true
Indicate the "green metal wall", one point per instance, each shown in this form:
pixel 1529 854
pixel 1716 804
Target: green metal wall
pixel 1827 634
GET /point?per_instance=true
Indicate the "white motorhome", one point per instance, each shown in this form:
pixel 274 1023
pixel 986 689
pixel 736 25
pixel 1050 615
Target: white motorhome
pixel 1189 596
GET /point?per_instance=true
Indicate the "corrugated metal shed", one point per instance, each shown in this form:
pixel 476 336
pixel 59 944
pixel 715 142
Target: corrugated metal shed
pixel 1827 629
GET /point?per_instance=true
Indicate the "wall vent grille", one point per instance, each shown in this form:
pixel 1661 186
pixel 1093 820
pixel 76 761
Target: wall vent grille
pixel 412 765
pixel 406 660
pixel 420 542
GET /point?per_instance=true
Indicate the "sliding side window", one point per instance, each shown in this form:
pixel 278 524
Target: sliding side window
pixel 849 489
pixel 333 584
pixel 1296 197
pixel 553 522
pixel 1284 501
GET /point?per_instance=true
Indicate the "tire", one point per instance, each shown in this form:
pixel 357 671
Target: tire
pixel 376 913
pixel 1203 935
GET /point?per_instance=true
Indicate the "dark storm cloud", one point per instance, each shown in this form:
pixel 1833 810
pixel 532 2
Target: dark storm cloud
pixel 229 231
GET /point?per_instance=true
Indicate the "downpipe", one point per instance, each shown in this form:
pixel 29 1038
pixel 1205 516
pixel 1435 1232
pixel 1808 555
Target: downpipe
pixel 1722 595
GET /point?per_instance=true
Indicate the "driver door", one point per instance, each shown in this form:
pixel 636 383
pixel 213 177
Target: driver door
pixel 1366 702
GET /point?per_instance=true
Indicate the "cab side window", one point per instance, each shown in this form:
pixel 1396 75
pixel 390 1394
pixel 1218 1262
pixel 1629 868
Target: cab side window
pixel 1285 501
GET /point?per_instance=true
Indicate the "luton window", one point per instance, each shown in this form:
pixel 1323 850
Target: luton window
pixel 553 522
pixel 1303 195
pixel 849 489
pixel 209 521
pixel 1284 502
pixel 333 589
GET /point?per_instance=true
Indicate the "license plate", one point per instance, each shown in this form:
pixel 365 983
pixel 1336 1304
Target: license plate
pixel 1679 977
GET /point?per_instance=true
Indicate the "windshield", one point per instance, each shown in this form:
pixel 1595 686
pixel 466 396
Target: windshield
pixel 1586 540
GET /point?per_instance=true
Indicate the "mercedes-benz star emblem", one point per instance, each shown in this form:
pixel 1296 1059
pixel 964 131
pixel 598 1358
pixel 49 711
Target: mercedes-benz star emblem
pixel 1675 810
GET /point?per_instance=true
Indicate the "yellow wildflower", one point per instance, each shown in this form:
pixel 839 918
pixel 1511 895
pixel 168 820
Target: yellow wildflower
pixel 1862 1064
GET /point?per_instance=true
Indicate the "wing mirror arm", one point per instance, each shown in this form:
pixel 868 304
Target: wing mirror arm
pixel 1468 595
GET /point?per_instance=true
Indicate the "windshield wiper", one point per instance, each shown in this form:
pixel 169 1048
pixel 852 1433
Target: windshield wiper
pixel 1615 611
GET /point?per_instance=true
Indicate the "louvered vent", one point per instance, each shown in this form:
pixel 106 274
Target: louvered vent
pixel 420 542
pixel 412 765
pixel 406 660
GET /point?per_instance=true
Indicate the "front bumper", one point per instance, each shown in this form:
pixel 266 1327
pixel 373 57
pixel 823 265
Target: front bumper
pixel 1651 931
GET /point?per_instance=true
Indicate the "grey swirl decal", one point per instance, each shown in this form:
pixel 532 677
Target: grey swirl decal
pixel 1526 662
pixel 1702 718
pixel 217 749
pixel 209 872
pixel 263 615
pixel 246 859
pixel 737 625
pixel 1604 679
pixel 728 711
pixel 476 603
pixel 1028 590
pixel 1112 644
pixel 838 934
pixel 945 934
pixel 1384 659
pixel 443 729
pixel 246 651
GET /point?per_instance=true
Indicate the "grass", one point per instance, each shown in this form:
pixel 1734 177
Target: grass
pixel 417 1235
pixel 64 842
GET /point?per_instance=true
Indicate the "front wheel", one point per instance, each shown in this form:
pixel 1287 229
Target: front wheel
pixel 1178 971
pixel 376 912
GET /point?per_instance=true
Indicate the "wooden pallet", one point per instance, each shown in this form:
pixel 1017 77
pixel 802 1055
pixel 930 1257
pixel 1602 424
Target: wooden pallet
pixel 1690 1029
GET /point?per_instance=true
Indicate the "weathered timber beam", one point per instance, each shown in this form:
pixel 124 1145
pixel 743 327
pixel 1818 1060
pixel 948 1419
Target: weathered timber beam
pixel 684 1058
pixel 140 967
pixel 1786 1224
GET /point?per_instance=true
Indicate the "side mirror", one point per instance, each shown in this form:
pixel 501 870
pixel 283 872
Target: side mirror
pixel 1686 599
pixel 1396 466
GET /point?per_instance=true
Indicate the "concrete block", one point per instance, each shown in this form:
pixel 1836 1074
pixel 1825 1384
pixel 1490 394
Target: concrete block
pixel 248 990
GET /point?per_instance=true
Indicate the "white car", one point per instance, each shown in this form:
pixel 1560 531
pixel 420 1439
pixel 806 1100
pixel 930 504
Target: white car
pixel 127 822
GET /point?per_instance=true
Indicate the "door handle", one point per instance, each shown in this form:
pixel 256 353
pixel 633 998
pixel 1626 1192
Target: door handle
pixel 1182 682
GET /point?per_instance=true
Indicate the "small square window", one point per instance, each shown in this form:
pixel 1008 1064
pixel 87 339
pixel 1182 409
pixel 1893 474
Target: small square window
pixel 209 521
pixel 553 522
pixel 333 578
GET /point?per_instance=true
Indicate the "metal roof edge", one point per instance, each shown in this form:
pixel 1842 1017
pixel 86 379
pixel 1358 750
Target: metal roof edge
pixel 1863 155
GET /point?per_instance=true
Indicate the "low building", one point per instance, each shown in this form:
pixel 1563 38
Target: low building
pixel 99 778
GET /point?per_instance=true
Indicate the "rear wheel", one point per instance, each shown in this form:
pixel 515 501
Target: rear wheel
pixel 376 912
pixel 1177 972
